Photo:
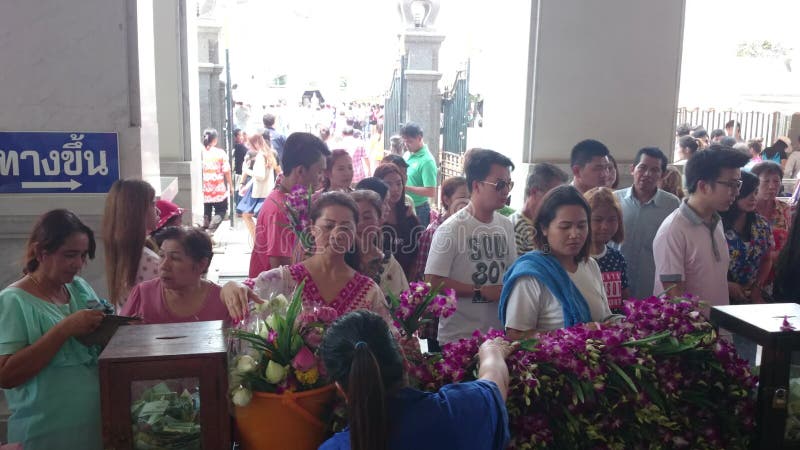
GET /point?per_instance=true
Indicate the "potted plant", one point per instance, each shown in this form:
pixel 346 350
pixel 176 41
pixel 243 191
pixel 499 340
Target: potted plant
pixel 281 396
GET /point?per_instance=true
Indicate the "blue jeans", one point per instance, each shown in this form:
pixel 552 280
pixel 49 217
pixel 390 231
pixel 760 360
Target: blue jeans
pixel 424 214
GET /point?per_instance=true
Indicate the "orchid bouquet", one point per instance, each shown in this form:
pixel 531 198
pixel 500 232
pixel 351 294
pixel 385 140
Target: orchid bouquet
pixel 298 206
pixel 275 350
pixel 419 305
pixel 662 378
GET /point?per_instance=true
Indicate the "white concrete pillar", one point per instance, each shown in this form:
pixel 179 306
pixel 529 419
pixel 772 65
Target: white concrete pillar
pixel 423 98
pixel 177 86
pixel 566 70
pixel 83 66
pixel 607 70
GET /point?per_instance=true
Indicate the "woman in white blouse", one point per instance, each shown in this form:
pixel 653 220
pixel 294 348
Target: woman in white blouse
pixel 130 215
pixel 558 285
pixel 262 173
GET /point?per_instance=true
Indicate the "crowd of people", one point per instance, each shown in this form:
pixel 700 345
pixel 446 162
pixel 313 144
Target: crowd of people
pixel 576 250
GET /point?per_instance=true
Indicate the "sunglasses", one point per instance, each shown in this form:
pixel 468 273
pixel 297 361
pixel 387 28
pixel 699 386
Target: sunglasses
pixel 500 184
pixel 733 185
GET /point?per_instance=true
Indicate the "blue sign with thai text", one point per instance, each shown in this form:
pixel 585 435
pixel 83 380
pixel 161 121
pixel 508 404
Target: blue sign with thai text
pixel 54 162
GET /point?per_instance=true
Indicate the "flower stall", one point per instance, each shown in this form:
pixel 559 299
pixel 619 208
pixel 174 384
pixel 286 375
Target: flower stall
pixel 773 327
pixel 660 378
pixel 165 386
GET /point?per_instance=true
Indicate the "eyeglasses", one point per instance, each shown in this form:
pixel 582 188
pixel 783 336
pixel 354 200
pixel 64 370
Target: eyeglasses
pixel 500 184
pixel 734 185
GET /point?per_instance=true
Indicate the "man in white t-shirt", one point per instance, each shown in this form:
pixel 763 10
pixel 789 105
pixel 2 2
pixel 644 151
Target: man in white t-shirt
pixel 472 249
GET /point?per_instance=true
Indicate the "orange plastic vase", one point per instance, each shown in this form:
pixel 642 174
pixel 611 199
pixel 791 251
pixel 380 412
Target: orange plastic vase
pixel 289 421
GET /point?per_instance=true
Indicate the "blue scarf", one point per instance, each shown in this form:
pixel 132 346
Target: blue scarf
pixel 548 271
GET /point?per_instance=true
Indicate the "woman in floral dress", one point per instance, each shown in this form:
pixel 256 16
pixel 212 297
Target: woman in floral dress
pixel 329 281
pixel 750 241
pixel 777 213
pixel 217 184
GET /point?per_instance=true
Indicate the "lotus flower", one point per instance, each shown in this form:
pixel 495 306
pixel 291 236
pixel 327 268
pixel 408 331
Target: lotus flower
pixel 327 314
pixel 241 396
pixel 279 304
pixel 304 360
pixel 275 372
pixel 313 337
pixel 246 364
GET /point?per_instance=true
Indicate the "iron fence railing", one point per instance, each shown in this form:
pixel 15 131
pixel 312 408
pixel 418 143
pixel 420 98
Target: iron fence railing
pixel 767 126
pixel 450 165
pixel 455 113
pixel 395 103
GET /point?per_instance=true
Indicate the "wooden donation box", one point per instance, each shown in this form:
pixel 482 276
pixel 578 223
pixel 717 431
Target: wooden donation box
pixel 776 328
pixel 166 386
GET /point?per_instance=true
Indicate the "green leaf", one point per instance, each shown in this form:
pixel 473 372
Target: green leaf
pixel 394 302
pixel 654 395
pixel 256 341
pixel 577 388
pixel 623 375
pixel 528 344
pixel 647 340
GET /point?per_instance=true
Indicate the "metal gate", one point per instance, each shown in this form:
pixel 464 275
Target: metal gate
pixel 768 126
pixel 395 103
pixel 455 118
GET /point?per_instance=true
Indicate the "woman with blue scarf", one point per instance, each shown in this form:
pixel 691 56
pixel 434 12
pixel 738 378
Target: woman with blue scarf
pixel 558 285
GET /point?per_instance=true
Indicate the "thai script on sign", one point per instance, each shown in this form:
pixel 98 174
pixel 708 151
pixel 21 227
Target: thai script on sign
pixel 70 160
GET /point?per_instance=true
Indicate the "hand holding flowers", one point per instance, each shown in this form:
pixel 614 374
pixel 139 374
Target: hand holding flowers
pixel 419 305
pixel 297 206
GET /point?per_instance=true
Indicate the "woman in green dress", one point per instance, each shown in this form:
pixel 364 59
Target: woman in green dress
pixel 50 379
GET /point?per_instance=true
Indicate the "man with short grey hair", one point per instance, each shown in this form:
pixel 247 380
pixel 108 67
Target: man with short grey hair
pixel 541 180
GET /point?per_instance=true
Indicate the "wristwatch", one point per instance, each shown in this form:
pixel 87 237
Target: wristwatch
pixel 476 294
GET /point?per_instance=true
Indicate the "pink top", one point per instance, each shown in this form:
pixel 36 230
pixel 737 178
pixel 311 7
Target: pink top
pixel 689 250
pixel 359 293
pixel 273 237
pixel 147 301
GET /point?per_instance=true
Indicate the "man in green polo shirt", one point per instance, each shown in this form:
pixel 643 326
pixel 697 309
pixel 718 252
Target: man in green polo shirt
pixel 421 184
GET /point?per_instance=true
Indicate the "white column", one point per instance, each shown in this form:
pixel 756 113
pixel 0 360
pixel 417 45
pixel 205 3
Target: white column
pixel 423 98
pixel 77 66
pixel 178 101
pixel 606 70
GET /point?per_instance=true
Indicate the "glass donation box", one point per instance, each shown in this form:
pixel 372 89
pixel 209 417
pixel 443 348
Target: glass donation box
pixel 776 328
pixel 166 387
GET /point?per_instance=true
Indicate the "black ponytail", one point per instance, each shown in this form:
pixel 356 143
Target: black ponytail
pixel 209 135
pixel 366 400
pixel 361 355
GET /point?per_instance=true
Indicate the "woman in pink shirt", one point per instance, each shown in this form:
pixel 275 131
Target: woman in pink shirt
pixel 179 294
